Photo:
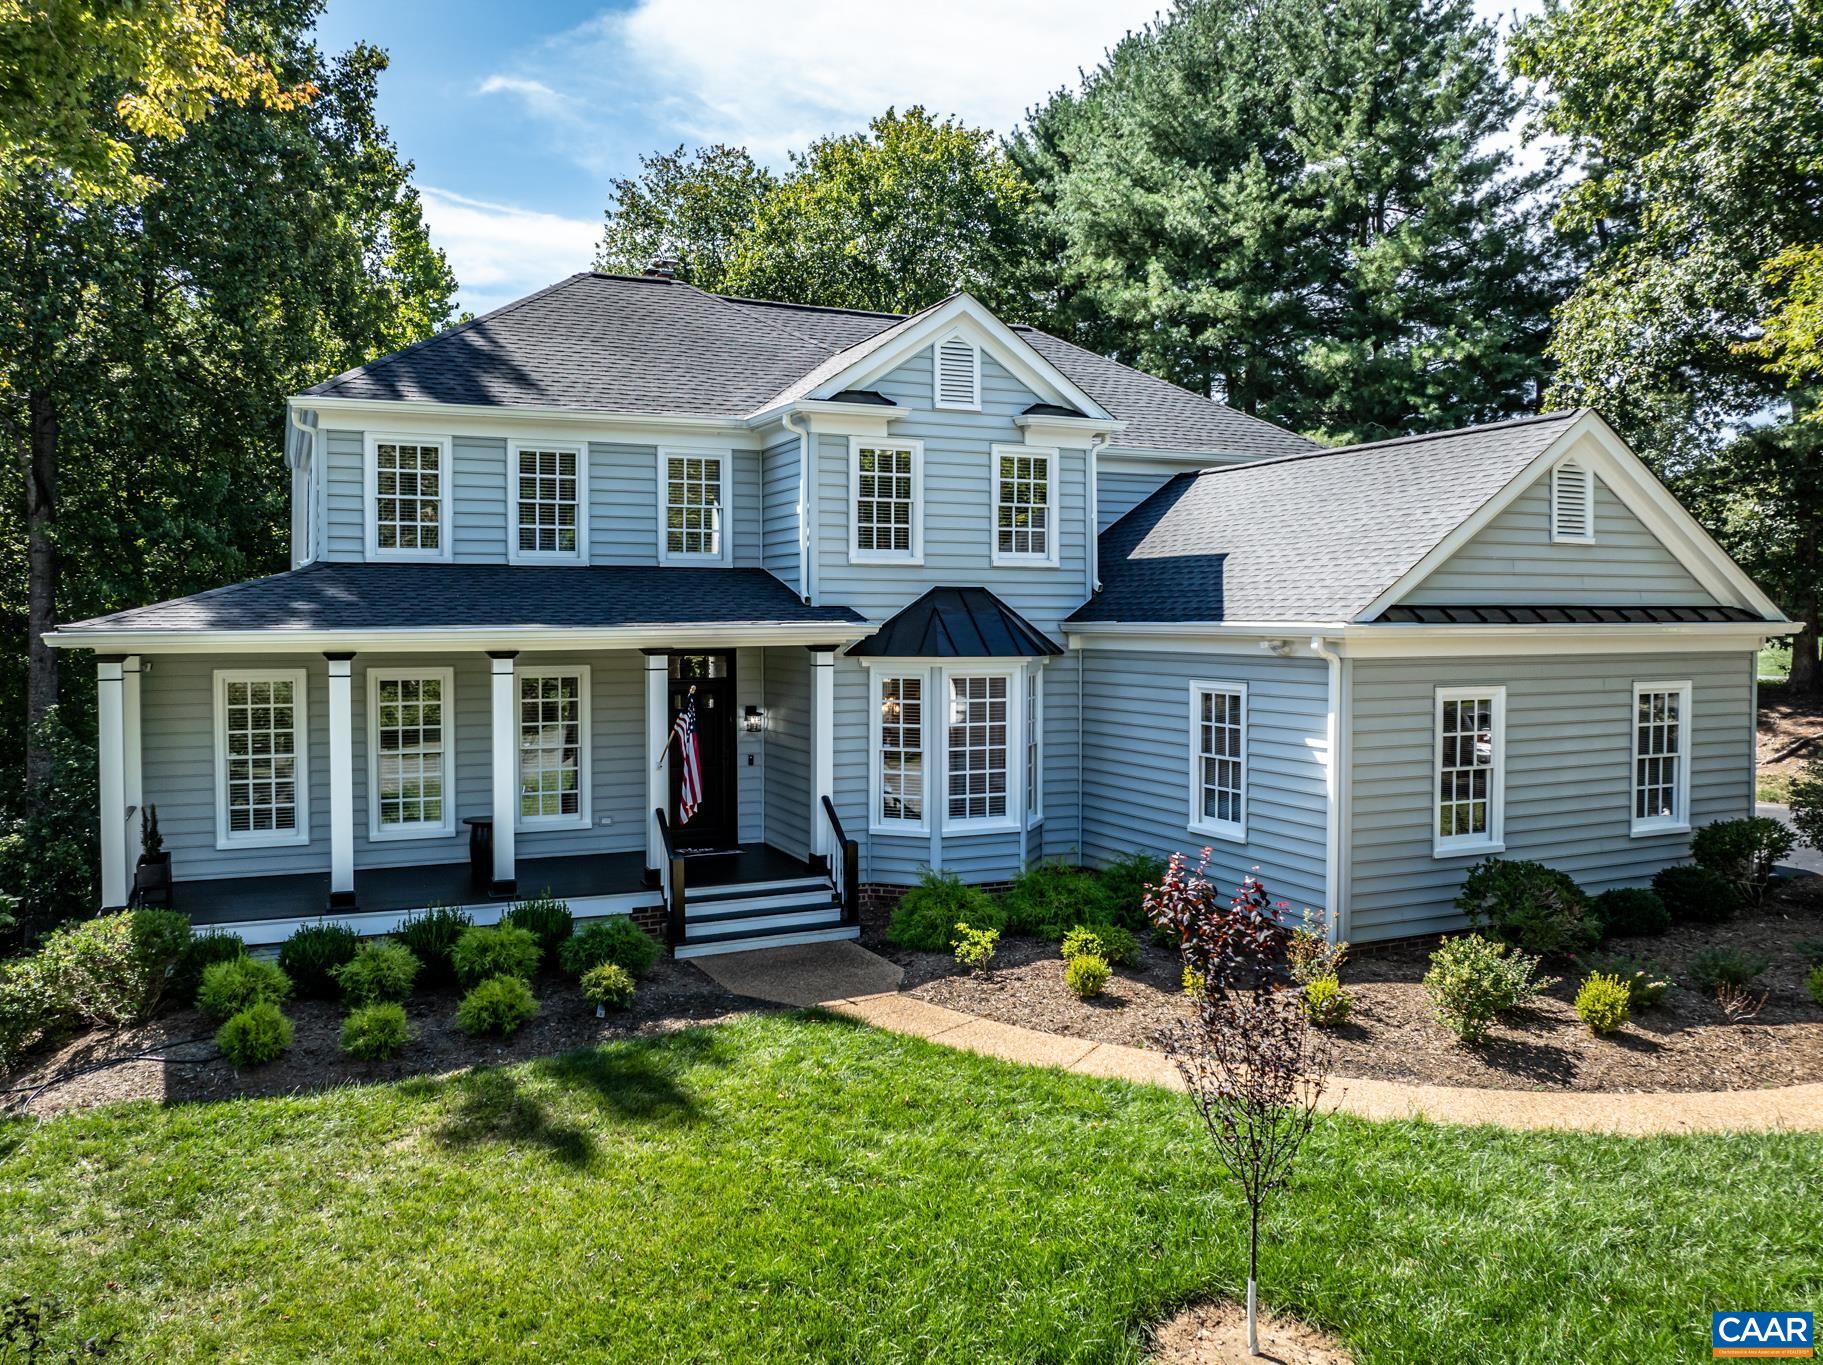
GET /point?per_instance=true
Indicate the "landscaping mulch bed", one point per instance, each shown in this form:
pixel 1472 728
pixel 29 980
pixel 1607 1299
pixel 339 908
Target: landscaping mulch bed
pixel 1684 1044
pixel 676 995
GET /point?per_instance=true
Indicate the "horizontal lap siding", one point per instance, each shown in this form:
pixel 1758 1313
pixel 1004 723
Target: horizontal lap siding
pixel 1136 764
pixel 779 512
pixel 623 503
pixel 749 747
pixel 787 789
pixel 1569 774
pixel 745 515
pixel 345 495
pixel 478 508
pixel 1514 560
pixel 1061 763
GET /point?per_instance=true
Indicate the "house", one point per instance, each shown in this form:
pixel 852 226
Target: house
pixel 925 592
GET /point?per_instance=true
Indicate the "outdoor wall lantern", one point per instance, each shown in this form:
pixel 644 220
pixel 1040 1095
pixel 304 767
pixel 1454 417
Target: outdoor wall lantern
pixel 754 719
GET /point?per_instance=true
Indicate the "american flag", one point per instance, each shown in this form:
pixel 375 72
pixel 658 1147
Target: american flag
pixel 690 785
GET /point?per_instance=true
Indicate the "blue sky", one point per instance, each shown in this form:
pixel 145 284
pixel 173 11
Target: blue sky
pixel 520 115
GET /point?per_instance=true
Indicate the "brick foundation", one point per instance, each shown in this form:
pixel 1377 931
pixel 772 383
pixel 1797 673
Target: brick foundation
pixel 653 919
pixel 881 898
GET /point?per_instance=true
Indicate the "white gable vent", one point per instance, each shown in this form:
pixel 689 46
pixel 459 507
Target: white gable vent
pixel 1572 503
pixel 958 379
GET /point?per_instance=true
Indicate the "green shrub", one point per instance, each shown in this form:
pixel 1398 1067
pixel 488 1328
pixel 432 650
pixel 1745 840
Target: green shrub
pixel 1109 942
pixel 1696 895
pixel 501 950
pixel 1806 800
pixel 113 969
pixel 1744 851
pixel 548 919
pixel 500 1004
pixel 28 1010
pixel 1472 981
pixel 1631 912
pixel 255 1036
pixel 432 937
pixel 1086 974
pixel 1812 983
pixel 229 987
pixel 1534 908
pixel 1309 955
pixel 312 955
pixel 380 970
pixel 1646 984
pixel 1603 1002
pixel 201 952
pixel 1046 901
pixel 608 985
pixel 376 1031
pixel 1123 890
pixel 928 914
pixel 1326 1003
pixel 617 940
pixel 975 948
pixel 1724 967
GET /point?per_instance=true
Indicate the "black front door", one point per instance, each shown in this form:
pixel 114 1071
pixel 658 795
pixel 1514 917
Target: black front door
pixel 716 821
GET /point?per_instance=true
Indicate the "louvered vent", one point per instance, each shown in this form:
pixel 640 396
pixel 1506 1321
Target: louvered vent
pixel 958 374
pixel 1572 502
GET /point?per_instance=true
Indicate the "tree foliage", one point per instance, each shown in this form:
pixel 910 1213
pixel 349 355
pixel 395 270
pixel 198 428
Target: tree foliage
pixel 692 209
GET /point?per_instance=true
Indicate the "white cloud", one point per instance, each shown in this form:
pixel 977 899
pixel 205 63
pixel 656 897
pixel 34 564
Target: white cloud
pixel 501 252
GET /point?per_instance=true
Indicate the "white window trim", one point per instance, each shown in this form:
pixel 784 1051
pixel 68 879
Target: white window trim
pixel 1015 750
pixel 936 372
pixel 224 837
pixel 662 472
pixel 515 555
pixel 876 823
pixel 1680 823
pixel 584 818
pixel 1494 841
pixel 856 555
pixel 996 555
pixel 1231 831
pixel 447 828
pixel 1587 474
pixel 370 487
pixel 1034 747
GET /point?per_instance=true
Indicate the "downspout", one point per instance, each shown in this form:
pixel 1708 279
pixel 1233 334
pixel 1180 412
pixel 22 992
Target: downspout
pixel 1335 911
pixel 307 464
pixel 806 535
pixel 1096 442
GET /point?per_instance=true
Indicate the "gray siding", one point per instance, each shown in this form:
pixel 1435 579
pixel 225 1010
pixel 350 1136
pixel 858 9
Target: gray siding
pixel 479 514
pixel 779 512
pixel 344 495
pixel 1136 764
pixel 623 503
pixel 1568 781
pixel 1513 560
pixel 1061 761
pixel 746 515
pixel 1119 491
pixel 787 793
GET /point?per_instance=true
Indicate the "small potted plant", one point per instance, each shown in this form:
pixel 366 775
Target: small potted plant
pixel 152 875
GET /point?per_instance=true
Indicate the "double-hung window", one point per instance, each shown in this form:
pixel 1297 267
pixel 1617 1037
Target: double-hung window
pixel 549 502
pixel 899 751
pixel 411 753
pixel 1218 759
pixel 978 747
pixel 1470 770
pixel 693 507
pixel 407 497
pixel 886 501
pixel 1034 746
pixel 261 787
pixel 553 747
pixel 1025 505
pixel 1661 757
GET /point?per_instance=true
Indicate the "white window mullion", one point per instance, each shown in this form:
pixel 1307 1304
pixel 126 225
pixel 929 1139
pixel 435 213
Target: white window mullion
pixel 1469 771
pixel 1661 758
pixel 1218 760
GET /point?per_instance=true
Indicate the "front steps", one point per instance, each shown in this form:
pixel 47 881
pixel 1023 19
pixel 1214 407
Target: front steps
pixel 745 916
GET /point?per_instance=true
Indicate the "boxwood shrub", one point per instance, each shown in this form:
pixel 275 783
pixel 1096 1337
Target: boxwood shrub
pixel 380 970
pixel 608 985
pixel 500 950
pixel 547 919
pixel 1086 974
pixel 255 1036
pixel 617 940
pixel 499 1005
pixel 113 969
pixel 312 955
pixel 927 915
pixel 372 1033
pixel 1696 895
pixel 1744 851
pixel 229 987
pixel 432 936
pixel 1535 908
pixel 201 952
pixel 1631 912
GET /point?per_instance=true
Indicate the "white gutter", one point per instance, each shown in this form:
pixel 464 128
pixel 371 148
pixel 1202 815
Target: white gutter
pixel 806 524
pixel 398 407
pixel 1335 910
pixel 681 635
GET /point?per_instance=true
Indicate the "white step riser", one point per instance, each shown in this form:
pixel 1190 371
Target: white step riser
pixel 756 904
pixel 794 919
pixel 799 885
pixel 753 945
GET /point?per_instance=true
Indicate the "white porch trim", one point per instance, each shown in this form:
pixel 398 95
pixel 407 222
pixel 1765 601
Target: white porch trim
pixel 822 747
pixel 505 732
pixel 111 737
pixel 341 781
pixel 658 733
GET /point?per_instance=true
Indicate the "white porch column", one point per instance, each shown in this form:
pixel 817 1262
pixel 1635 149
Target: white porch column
pixel 822 747
pixel 658 775
pixel 111 733
pixel 506 773
pixel 129 707
pixel 341 781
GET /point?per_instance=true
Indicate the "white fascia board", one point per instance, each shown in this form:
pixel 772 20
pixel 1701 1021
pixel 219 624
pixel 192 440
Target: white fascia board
pixel 406 640
pixel 1065 431
pixel 417 416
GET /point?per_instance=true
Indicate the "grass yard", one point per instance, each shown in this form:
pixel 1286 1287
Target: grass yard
pixel 798 1187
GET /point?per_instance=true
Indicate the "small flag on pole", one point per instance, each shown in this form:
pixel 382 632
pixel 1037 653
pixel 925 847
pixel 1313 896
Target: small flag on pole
pixel 690 784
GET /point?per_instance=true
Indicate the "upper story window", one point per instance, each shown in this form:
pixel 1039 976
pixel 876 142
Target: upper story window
pixel 1218 759
pixel 410 753
pixel 1573 503
pixel 1661 758
pixel 693 507
pixel 1470 770
pixel 407 497
pixel 956 379
pixel 549 500
pixel 886 502
pixel 553 748
pixel 261 787
pixel 1025 505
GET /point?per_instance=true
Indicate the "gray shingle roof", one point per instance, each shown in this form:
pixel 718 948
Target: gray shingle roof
pixel 629 344
pixel 348 596
pixel 1311 538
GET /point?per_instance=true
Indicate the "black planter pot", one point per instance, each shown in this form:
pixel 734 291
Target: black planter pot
pixel 152 880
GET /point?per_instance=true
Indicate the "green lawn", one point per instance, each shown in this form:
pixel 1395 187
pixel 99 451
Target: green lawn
pixel 804 1188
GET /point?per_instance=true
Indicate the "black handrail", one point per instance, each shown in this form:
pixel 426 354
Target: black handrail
pixel 674 923
pixel 850 885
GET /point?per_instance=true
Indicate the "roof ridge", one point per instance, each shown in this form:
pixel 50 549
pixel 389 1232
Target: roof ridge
pixel 809 307
pixel 825 347
pixel 1323 452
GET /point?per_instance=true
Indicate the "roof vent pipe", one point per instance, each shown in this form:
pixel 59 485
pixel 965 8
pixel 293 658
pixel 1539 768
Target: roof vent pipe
pixel 662 268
